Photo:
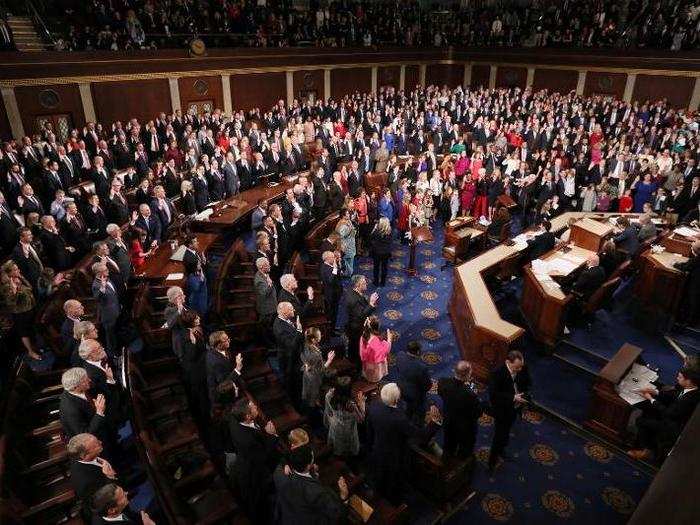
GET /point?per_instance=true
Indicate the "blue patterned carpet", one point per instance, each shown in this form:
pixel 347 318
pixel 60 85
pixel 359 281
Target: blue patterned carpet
pixel 555 476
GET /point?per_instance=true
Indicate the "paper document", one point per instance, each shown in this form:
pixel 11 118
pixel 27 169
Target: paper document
pixel 686 232
pixel 174 276
pixel 204 215
pixel 179 254
pixel 639 377
pixel 561 266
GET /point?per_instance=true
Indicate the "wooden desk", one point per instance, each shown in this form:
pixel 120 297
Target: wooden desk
pixel 159 265
pixel 659 288
pixel 454 228
pixel 544 303
pixel 231 212
pixel 590 234
pixel 678 243
pixel 608 413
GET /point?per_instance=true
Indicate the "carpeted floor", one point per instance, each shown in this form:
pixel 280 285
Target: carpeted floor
pixel 555 475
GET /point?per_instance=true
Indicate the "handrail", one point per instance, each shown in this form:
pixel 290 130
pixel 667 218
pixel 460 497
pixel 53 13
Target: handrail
pixel 39 24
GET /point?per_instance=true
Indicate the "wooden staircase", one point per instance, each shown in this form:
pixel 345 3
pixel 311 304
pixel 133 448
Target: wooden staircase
pixel 24 34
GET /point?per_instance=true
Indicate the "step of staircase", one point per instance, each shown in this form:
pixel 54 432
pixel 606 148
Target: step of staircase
pixel 25 35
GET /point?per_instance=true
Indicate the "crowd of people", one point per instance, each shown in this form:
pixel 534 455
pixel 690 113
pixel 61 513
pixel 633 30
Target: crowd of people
pixel 548 152
pixel 661 24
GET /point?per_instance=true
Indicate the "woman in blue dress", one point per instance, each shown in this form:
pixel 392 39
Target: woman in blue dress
pixel 645 191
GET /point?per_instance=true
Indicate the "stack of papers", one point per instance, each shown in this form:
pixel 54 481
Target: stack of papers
pixel 638 378
pixel 204 215
pixel 685 231
pixel 179 254
pixel 562 266
pixel 174 276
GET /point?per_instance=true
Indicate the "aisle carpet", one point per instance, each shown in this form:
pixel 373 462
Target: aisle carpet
pixel 554 476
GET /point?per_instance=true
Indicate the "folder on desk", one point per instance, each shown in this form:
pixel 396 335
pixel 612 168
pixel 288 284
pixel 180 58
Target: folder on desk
pixel 179 254
pixel 361 508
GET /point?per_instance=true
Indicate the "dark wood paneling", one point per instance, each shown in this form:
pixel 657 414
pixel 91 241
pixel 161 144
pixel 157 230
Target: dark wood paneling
pixel 195 89
pixel 678 90
pixel 555 80
pixel 306 81
pixel 258 90
pixel 508 76
pixel 604 83
pixel 389 76
pixel 451 75
pixel 141 99
pixel 412 77
pixel 29 102
pixel 348 81
pixel 480 75
pixel 5 130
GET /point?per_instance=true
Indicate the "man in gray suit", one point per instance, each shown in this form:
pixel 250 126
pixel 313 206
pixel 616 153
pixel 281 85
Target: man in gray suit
pixel 265 297
pixel 118 251
pixel 108 307
pixel 232 183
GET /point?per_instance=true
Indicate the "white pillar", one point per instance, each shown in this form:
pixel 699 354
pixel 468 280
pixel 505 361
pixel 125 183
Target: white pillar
pixel 421 76
pixel 467 80
pixel 374 79
pixel 88 105
pixel 326 84
pixel 492 77
pixel 402 78
pixel 629 87
pixel 530 77
pixel 695 99
pixel 12 111
pixel 174 94
pixel 580 85
pixel 226 89
pixel 290 88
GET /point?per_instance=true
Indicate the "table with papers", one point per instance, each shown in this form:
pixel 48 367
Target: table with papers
pixel 640 377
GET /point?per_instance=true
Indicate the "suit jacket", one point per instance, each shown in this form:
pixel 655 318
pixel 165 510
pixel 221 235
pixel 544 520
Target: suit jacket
pixel 628 240
pixel 541 244
pixel 290 342
pixel 78 415
pixel 8 231
pixel 117 210
pixel 163 216
pixel 108 307
pixel 218 368
pixel 301 500
pixel 502 390
pixel 461 406
pixel 153 229
pixel 300 309
pixel 232 184
pixel 414 378
pixel 96 221
pixel 589 281
pixel 265 296
pixel 129 517
pixel 358 308
pixel 55 249
pixel 120 254
pixel 30 267
pixel 86 478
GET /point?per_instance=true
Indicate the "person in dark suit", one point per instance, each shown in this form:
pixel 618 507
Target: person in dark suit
pixel 302 498
pixel 108 305
pixel 265 295
pixel 332 287
pixel 542 243
pixel 232 184
pixel 287 293
pixel 218 363
pixel 358 307
pixel 78 413
pixel 659 427
pixel 8 227
pixel 59 255
pixel 692 293
pixel 164 209
pixel 73 311
pixel 414 380
pixel 201 189
pixel 29 201
pixel 111 506
pixel 99 370
pixel 195 263
pixel 389 432
pixel 590 279
pixel 151 225
pixel 461 411
pixel 257 456
pixel 88 471
pixel 27 257
pixel 509 387
pixel 628 239
pixel 119 252
pixel 95 218
pixel 290 342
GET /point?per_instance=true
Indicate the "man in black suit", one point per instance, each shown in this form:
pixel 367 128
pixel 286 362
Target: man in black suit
pixel 151 225
pixel 287 293
pixel 692 294
pixel 88 471
pixel 301 498
pixel 257 456
pixel 628 239
pixel 332 287
pixel 73 310
pixel 111 506
pixel 78 412
pixel 59 255
pixel 542 243
pixel 8 227
pixel 358 307
pixel 218 364
pixel 509 386
pixel 664 420
pixel 461 411
pixel 106 294
pixel 118 251
pixel 414 380
pixel 102 381
pixel 164 209
pixel 27 258
pixel 390 431
pixel 590 279
pixel 290 343
pixel 28 202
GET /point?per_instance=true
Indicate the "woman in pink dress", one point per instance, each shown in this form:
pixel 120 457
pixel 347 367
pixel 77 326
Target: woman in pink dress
pixel 467 195
pixel 374 351
pixel 476 162
pixel 462 164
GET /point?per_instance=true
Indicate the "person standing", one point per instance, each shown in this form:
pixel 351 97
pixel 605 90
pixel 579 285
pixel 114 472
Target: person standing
pixel 509 387
pixel 374 351
pixel 461 411
pixel 414 379
pixel 380 240
pixel 332 287
pixel 358 308
pixel 265 297
pixel 346 231
pixel 314 367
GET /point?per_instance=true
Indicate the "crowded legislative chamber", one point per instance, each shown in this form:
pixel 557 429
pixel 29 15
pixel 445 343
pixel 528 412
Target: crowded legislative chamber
pixel 349 261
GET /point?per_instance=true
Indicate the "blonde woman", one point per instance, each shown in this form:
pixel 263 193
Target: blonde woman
pixel 17 299
pixel 346 231
pixel 380 240
pixel 314 369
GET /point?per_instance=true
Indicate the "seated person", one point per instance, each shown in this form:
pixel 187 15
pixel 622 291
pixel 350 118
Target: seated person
pixel 542 243
pixel 500 218
pixel 647 230
pixel 692 287
pixel 610 257
pixel 659 428
pixel 627 240
pixel 590 279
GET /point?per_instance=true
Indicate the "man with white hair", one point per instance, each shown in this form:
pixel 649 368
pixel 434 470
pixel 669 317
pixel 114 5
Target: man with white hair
pixel 73 309
pixel 391 431
pixel 265 295
pixel 175 308
pixel 290 343
pixel 151 225
pixel 100 372
pixel 118 251
pixel 332 287
pixel 78 411
pixel 88 471
pixel 108 305
pixel 289 285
